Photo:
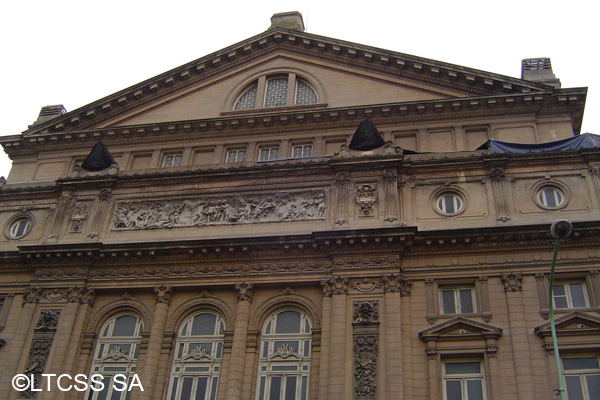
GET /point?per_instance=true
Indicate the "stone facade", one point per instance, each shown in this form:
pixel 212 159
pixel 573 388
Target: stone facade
pixel 245 252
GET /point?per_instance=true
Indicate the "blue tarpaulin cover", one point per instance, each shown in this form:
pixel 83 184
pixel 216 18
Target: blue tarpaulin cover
pixel 584 140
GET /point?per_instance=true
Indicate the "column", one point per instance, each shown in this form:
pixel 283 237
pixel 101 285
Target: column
pixel 342 181
pixel 390 191
pixel 325 342
pixel 337 340
pixel 499 194
pixel 150 366
pixel 240 336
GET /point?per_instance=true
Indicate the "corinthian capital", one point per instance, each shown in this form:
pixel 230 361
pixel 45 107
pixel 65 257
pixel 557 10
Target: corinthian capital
pixel 245 291
pixel 163 294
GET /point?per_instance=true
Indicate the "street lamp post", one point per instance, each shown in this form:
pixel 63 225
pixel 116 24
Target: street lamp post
pixel 560 229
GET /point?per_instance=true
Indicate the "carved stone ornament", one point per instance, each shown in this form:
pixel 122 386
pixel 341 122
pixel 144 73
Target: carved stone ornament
pixel 395 283
pixel 48 320
pixel 366 198
pixel 492 350
pixel 104 194
pixel 366 285
pixel 245 291
pixel 79 216
pixel 367 261
pixel 163 294
pixel 288 291
pixel 595 169
pixel 497 175
pixel 198 354
pixel 32 295
pixel 512 282
pixel 365 367
pixel 390 218
pixel 365 312
pixel 336 285
pixel 342 178
pixel 431 353
pixel 285 351
pixel 227 210
pixel 81 295
pixel 389 175
pixel 117 353
pixel 60 274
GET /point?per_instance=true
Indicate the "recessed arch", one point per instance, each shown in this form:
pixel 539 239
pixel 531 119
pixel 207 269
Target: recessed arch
pixel 282 300
pixel 197 304
pixel 119 306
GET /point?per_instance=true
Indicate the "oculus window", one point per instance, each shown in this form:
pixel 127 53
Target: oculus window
pixel 19 227
pixel 551 197
pixel 276 91
pixel 449 203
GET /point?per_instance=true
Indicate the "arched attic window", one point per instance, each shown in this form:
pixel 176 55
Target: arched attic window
pixel 276 91
pixel 284 363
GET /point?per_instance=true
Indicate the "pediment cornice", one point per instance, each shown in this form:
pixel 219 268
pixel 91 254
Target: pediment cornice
pixel 396 64
pixel 460 328
pixel 573 323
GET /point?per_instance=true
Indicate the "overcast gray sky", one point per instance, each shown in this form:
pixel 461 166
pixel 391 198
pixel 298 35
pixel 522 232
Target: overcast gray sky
pixel 75 52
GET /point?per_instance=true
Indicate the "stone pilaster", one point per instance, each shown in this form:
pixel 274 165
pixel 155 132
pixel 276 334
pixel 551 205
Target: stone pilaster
pixel 342 181
pixel 499 194
pixel 338 287
pixel 365 338
pixel 392 286
pixel 326 340
pixel 390 191
pixel 240 337
pixel 150 366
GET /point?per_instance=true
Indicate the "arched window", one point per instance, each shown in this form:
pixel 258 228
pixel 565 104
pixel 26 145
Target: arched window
pixel 276 91
pixel 284 363
pixel 116 353
pixel 197 361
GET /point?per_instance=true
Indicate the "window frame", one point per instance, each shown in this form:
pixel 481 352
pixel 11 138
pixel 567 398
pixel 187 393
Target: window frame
pixel 479 298
pixel 102 358
pixel 457 299
pixel 17 219
pixel 278 362
pixel 176 156
pixel 270 149
pixel 260 85
pixel 464 377
pixel 580 372
pixel 237 151
pixel 302 147
pixel 539 189
pixel 189 364
pixel 568 296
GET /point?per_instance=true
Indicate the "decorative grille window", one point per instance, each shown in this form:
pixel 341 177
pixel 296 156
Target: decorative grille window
pixel 236 156
pixel 463 380
pixel 172 160
pixel 270 153
pixel 450 203
pixel 275 91
pixel 116 353
pixel 551 197
pixel 284 363
pixel 582 377
pixel 19 228
pixel 197 361
pixel 302 151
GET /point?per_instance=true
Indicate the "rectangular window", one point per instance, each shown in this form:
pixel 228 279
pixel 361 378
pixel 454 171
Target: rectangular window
pixel 569 295
pixel 268 153
pixel 171 160
pixel 457 300
pixel 463 380
pixel 582 377
pixel 302 151
pixel 236 156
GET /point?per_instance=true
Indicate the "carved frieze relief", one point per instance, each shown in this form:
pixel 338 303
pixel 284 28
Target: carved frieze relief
pixel 366 285
pixel 246 209
pixel 368 261
pixel 74 294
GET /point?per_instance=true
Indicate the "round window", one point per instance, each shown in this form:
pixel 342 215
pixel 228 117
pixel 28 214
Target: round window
pixel 19 228
pixel 551 197
pixel 450 203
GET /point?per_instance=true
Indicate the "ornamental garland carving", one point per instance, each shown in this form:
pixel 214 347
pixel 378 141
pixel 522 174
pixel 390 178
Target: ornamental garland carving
pixel 360 262
pixel 75 294
pixel 365 338
pixel 365 312
pixel 274 207
pixel 336 285
pixel 207 270
pixel 395 283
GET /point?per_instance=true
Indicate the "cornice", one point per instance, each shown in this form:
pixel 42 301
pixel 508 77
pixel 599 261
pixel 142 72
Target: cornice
pixel 563 102
pixel 356 55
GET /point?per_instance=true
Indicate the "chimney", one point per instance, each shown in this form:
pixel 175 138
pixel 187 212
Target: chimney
pixel 288 20
pixel 539 70
pixel 49 112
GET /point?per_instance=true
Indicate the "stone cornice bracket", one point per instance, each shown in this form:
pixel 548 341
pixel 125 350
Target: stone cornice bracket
pixel 395 283
pixel 245 291
pixel 163 294
pixel 335 285
pixel 512 282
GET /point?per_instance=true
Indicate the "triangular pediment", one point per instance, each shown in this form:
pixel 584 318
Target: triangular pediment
pixel 460 328
pixel 338 66
pixel 573 323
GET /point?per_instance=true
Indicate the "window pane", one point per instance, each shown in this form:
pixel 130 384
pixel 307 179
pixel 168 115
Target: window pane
pixel 247 100
pixel 174 389
pixel 201 388
pixel 213 390
pixel 449 204
pixel 577 297
pixel 275 388
pixel 549 197
pixel 102 395
pixel 290 388
pixel 186 388
pixel 305 94
pixel 125 326
pixel 448 305
pixel 574 389
pixel 304 387
pixel 474 389
pixel 460 368
pixel 466 301
pixel 593 385
pixel 580 363
pixel 276 93
pixel 204 324
pixel 288 322
pixel 453 391
pixel 261 395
